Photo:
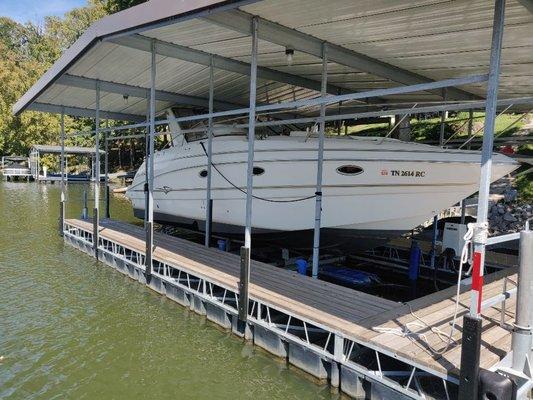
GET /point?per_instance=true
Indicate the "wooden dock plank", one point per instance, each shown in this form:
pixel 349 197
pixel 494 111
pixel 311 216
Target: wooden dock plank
pixel 275 279
pixel 260 270
pixel 355 314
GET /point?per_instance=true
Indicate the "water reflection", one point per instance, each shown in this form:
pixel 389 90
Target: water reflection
pixel 73 328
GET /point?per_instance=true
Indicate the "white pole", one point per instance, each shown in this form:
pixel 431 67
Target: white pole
pixel 470 127
pixel 251 138
pixel 150 160
pixel 442 120
pixel 481 231
pixel 62 164
pixel 522 338
pixel 96 215
pixel 106 169
pixel 146 161
pixel 320 162
pixel 208 211
pixel 246 249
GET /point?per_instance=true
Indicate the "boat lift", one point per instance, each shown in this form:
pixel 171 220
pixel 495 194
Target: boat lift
pixel 15 167
pixel 516 367
pixel 40 174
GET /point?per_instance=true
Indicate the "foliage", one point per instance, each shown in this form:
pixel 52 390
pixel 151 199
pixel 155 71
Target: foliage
pixel 113 6
pixel 27 51
pixel 524 184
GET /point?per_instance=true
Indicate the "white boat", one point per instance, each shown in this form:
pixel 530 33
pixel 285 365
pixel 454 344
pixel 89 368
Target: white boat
pixel 373 188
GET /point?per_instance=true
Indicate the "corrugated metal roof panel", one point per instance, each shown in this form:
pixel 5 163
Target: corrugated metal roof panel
pixel 438 39
pixel 193 33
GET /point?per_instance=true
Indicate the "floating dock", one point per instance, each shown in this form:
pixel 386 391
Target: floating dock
pixel 366 345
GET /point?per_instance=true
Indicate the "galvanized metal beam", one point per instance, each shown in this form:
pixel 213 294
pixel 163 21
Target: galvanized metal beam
pixel 184 53
pixel 209 200
pixel 246 249
pixel 470 351
pixel 62 164
pixel 319 167
pixel 138 91
pixel 480 235
pixel 149 207
pixel 106 169
pixel 96 214
pixel 240 21
pixel 82 112
pixel 522 333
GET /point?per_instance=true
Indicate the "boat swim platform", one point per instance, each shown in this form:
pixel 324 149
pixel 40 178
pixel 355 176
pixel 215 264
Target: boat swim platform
pixel 350 338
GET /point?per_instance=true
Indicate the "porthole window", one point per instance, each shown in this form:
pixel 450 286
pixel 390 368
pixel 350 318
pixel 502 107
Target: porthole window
pixel 349 170
pixel 203 173
pixel 258 171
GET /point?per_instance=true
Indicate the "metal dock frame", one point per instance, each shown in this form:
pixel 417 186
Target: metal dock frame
pixel 317 349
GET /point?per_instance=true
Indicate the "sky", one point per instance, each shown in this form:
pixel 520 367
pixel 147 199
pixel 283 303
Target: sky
pixel 35 10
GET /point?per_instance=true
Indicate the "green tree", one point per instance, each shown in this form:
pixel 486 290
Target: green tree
pixel 113 6
pixel 26 52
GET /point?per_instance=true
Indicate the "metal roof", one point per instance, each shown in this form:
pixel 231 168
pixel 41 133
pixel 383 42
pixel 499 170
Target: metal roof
pixel 372 44
pixel 50 149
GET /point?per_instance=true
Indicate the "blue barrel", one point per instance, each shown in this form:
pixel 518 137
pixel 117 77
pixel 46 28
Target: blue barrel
pixel 301 265
pixel 414 262
pixel 221 244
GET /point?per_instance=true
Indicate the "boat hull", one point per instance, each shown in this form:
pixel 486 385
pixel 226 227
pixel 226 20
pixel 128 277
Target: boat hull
pixel 389 188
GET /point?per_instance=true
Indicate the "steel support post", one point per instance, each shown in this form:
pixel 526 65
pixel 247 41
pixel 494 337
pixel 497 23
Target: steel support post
pixel 480 234
pixel 96 213
pixel 208 200
pixel 463 212
pixel 469 379
pixel 442 120
pixel 470 127
pixel 245 253
pixel 149 207
pixel 320 162
pixel 62 163
pixel 106 170
pixel 146 161
pixel 85 209
pixel 522 334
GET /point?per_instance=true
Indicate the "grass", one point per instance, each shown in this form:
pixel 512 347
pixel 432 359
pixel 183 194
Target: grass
pixel 429 129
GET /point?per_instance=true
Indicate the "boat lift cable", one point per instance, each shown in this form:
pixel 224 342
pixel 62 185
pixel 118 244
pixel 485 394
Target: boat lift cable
pixel 254 196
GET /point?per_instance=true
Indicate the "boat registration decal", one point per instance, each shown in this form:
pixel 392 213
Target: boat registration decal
pixel 398 172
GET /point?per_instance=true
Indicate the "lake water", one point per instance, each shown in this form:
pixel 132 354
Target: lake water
pixel 73 328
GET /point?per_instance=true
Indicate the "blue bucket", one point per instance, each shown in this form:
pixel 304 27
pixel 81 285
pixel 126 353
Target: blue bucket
pixel 221 244
pixel 301 266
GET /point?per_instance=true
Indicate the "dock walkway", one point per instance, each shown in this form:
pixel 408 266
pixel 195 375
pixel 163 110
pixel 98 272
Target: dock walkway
pixel 334 322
